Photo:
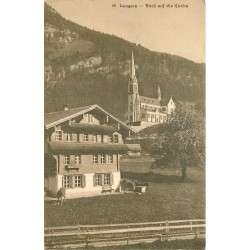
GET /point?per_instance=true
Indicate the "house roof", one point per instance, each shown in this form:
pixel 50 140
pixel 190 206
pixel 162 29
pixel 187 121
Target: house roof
pixel 55 118
pixel 88 146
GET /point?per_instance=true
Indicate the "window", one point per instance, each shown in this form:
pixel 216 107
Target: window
pixel 110 159
pixel 106 179
pixel 90 118
pixel 58 135
pixel 98 179
pixel 94 138
pixel 103 159
pixel 110 139
pixel 95 159
pixel 69 137
pixel 85 137
pixel 78 181
pixel 115 138
pixel 72 181
pixel 77 159
pixel 66 160
pixel 66 181
pixel 160 116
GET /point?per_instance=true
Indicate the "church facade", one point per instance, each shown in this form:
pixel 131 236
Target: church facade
pixel 145 111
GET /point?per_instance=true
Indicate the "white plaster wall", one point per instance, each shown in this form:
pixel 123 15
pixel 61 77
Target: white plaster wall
pixel 117 181
pixel 89 188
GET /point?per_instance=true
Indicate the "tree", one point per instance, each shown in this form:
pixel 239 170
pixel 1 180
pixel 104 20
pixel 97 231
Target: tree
pixel 181 142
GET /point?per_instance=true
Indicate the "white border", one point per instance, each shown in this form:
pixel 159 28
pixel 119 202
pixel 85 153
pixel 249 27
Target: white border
pixel 227 124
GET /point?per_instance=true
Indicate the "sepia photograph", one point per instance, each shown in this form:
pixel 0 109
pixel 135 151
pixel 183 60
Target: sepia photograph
pixel 124 124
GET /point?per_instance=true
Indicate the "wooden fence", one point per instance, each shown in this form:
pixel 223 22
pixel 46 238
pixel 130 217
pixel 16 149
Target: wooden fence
pixel 121 234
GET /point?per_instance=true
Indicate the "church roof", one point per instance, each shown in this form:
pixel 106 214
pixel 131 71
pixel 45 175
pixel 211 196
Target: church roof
pixel 150 100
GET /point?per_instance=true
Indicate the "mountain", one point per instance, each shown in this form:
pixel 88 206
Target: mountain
pixel 83 66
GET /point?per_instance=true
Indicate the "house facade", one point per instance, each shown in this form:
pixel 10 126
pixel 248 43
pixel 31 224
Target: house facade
pixel 145 111
pixel 83 147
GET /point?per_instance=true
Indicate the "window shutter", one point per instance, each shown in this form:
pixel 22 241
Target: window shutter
pixel 80 136
pixel 94 180
pixel 90 138
pixel 64 136
pixel 83 181
pixel 120 139
pixel 72 181
pixel 72 160
pixel 102 180
pixel 111 179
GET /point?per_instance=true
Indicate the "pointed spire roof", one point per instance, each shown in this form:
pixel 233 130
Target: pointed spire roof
pixel 159 90
pixel 132 66
pixel 159 93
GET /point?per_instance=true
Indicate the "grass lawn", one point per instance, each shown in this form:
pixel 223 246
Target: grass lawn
pixel 176 244
pixel 165 199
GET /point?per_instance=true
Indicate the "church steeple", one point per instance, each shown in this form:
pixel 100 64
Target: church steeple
pixel 132 66
pixel 133 95
pixel 159 93
pixel 133 83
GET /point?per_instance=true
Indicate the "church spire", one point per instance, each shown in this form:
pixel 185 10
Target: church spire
pixel 159 93
pixel 132 66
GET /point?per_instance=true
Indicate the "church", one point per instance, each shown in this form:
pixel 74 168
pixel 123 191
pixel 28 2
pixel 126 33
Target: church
pixel 145 111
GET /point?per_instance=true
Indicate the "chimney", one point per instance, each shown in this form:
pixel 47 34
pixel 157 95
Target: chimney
pixel 66 107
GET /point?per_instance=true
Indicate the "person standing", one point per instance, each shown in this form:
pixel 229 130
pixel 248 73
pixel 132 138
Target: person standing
pixel 61 195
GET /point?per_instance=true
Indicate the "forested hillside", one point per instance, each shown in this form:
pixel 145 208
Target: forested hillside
pixel 84 67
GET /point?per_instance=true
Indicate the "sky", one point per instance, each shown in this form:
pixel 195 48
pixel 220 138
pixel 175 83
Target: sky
pixel 178 31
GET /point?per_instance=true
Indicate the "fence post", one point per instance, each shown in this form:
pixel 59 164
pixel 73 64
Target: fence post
pixel 87 239
pixel 160 237
pixel 196 236
pixel 128 237
pixel 191 223
pixel 167 229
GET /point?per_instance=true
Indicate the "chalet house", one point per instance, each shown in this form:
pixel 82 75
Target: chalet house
pixel 83 147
